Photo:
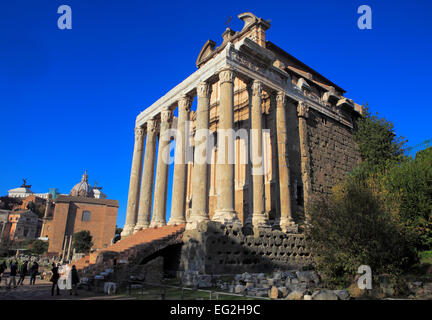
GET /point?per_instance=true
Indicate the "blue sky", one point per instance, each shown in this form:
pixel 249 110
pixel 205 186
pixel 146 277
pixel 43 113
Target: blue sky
pixel 69 98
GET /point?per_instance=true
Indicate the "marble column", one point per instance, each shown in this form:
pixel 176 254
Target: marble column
pixel 303 113
pixel 258 217
pixel 145 204
pixel 134 184
pixel 286 220
pixel 199 179
pixel 161 184
pixel 179 178
pixel 225 206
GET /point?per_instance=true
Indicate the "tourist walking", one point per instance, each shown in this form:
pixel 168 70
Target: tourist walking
pixel 12 274
pixel 3 267
pixel 23 273
pixel 75 280
pixel 33 272
pixel 54 279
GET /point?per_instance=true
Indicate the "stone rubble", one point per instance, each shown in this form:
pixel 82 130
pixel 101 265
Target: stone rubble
pixel 288 285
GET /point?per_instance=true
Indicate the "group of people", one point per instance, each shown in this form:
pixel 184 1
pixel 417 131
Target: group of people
pixel 71 279
pixel 22 272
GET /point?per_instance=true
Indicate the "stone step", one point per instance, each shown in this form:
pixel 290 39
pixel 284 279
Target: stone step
pixel 130 246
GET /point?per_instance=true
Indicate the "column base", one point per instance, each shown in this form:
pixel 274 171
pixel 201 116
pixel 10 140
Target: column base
pixel 127 231
pixel 288 225
pixel 157 224
pixel 140 226
pixel 173 222
pixel 195 220
pixel 258 220
pixel 227 217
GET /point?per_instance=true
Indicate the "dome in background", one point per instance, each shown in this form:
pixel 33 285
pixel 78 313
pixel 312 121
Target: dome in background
pixel 83 189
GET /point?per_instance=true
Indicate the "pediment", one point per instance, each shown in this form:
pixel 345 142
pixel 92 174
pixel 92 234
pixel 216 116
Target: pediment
pixel 206 50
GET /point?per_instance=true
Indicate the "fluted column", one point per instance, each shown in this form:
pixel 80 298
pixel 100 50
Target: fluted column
pixel 303 113
pixel 179 178
pixel 134 184
pixel 159 205
pixel 258 217
pixel 199 179
pixel 286 220
pixel 145 204
pixel 225 206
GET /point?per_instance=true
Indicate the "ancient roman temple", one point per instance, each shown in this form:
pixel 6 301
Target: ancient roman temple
pixel 268 133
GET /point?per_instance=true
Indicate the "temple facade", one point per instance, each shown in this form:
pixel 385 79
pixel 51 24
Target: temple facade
pixel 268 132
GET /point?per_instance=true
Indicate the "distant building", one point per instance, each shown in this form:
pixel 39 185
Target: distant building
pixel 24 191
pixel 4 224
pixel 19 225
pixel 25 224
pixel 85 208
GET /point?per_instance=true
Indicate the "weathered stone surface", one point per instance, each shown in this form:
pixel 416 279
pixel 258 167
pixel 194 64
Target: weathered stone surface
pixel 274 293
pixel 220 249
pixel 295 295
pixel 306 276
pixel 325 295
pixel 250 285
pixel 284 291
pixel 239 289
pixel 342 294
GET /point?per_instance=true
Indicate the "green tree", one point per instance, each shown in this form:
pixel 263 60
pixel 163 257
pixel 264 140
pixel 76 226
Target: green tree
pixel 117 235
pixel 351 228
pixel 82 241
pixel 38 247
pixel 38 208
pixel 377 140
pixel 407 191
pixel 8 203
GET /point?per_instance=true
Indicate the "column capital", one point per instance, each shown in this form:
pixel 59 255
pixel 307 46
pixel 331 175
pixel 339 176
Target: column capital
pixel 302 110
pixel 257 88
pixel 166 116
pixel 203 89
pixel 226 75
pixel 185 103
pixel 281 98
pixel 139 133
pixel 151 125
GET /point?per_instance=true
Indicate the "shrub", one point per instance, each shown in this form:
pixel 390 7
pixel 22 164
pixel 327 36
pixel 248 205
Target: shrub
pixel 82 241
pixel 38 247
pixel 351 228
pixel 407 191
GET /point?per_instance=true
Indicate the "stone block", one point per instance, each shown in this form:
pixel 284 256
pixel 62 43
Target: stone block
pixel 342 294
pixel 325 295
pixel 295 295
pixel 274 293
pixel 240 289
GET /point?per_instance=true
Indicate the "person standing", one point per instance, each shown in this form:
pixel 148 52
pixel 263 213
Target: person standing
pixel 3 267
pixel 12 275
pixel 23 273
pixel 33 272
pixel 75 280
pixel 54 279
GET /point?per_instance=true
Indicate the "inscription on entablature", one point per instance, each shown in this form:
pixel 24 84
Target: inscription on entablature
pixel 249 63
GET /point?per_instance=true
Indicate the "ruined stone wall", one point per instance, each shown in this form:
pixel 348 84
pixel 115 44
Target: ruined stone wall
pixel 333 153
pixel 214 248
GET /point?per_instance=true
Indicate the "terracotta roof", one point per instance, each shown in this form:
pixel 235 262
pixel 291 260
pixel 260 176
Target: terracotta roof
pixel 112 203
